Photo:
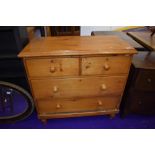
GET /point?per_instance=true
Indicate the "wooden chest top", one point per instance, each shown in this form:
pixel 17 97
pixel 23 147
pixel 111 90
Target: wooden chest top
pixel 76 45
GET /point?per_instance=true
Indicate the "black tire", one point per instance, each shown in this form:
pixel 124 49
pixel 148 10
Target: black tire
pixel 27 112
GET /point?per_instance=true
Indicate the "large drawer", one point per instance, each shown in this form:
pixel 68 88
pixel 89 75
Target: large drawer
pixel 77 87
pixel 105 65
pixel 77 105
pixel 42 67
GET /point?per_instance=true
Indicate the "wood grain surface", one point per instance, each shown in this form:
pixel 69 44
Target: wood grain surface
pixel 77 76
pixel 144 38
pixel 42 67
pixel 78 87
pixel 77 104
pixel 76 45
pixel 105 65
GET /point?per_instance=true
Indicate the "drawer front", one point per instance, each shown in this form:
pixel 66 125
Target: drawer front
pixel 78 87
pixel 77 105
pixel 142 102
pixel 52 67
pixel 145 80
pixel 105 65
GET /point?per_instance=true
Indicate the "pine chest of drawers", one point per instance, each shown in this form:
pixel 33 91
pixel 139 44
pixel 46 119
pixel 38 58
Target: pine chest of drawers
pixel 77 76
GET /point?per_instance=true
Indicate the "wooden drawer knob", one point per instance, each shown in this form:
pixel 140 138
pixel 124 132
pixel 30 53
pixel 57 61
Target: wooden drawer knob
pixel 103 87
pixel 52 69
pixel 58 106
pixel 100 103
pixel 87 66
pixel 149 80
pixel 55 89
pixel 106 66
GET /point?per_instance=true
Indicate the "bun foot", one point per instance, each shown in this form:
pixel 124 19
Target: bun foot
pixel 44 121
pixel 112 116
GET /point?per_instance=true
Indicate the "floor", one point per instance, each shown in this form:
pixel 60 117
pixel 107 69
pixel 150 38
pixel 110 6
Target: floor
pixel 92 122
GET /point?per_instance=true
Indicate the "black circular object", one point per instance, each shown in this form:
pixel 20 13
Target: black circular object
pixel 15 103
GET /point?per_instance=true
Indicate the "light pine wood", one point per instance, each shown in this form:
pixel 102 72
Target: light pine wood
pixel 42 67
pixel 76 45
pixel 78 87
pixel 77 76
pixel 105 65
pixel 51 106
pixel 45 116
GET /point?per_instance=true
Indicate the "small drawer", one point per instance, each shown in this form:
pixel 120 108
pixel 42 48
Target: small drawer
pixel 78 87
pixel 77 105
pixel 105 65
pixel 145 80
pixel 52 67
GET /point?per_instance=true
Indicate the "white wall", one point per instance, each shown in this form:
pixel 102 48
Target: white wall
pixel 86 30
